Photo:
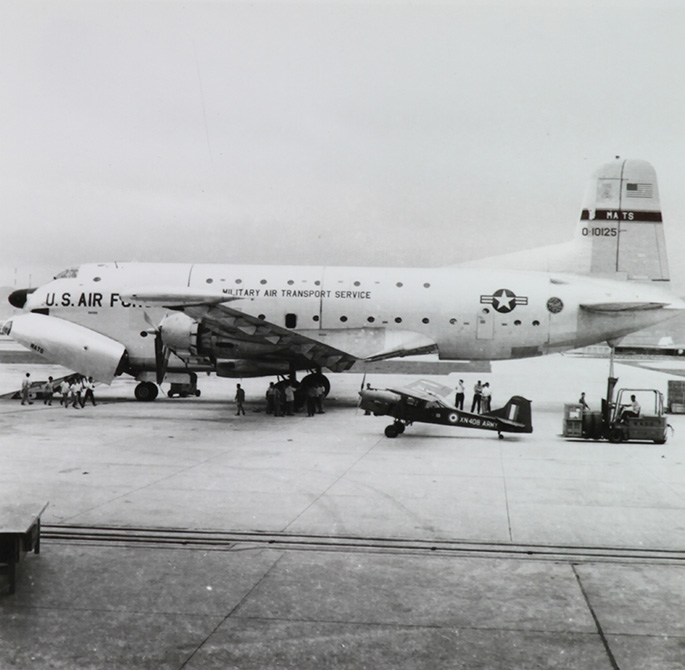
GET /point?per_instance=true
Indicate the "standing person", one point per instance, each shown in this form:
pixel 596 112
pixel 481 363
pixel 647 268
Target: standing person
pixel 320 393
pixel 477 395
pixel 270 392
pixel 459 398
pixel 89 386
pixel 26 390
pixel 311 400
pixel 486 395
pixel 582 402
pixel 279 400
pixel 48 390
pixel 64 390
pixel 239 400
pixel 75 390
pixel 289 393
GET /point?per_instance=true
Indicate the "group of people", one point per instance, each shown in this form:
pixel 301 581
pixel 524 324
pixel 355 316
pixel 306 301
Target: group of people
pixel 75 391
pixel 482 396
pixel 280 399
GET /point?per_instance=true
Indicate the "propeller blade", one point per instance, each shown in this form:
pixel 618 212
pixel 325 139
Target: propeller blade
pixel 161 357
pixel 151 323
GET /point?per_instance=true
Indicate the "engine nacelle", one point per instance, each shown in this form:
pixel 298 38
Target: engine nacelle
pixel 179 333
pixel 64 343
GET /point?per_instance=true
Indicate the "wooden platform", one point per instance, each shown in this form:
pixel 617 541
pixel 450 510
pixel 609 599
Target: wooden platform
pixel 19 534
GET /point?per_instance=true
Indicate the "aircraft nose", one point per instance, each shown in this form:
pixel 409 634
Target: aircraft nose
pixel 18 298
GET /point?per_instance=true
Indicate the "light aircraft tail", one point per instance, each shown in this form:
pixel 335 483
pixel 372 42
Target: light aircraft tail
pixel 620 233
pixel 515 415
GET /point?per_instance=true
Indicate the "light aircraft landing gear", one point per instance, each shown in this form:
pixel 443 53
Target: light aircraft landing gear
pixel 394 429
pixel 146 391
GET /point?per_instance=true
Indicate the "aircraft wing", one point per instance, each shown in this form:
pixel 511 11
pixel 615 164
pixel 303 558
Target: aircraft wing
pixel 336 349
pixel 288 344
pixel 428 390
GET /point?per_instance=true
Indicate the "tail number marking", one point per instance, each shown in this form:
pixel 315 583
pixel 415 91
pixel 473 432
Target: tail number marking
pixel 600 232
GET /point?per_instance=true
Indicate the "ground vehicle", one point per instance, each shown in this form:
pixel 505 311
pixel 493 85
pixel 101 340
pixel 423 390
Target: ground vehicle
pixel 614 423
pixel 182 389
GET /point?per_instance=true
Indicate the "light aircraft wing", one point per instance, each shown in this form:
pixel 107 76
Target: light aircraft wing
pixel 340 350
pixel 426 389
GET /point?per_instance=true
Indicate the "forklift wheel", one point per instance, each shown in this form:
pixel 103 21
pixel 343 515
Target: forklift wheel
pixel 616 435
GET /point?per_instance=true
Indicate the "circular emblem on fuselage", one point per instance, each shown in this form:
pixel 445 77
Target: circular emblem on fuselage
pixel 555 305
pixel 503 300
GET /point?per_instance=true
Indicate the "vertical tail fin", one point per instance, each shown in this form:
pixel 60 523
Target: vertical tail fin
pixel 516 414
pixel 620 231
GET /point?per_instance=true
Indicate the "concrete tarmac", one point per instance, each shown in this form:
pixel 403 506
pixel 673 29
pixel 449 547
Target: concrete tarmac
pixel 324 544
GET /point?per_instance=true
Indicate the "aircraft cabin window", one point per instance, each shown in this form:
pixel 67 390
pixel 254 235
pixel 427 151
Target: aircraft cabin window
pixel 356 283
pixel 209 281
pixel 343 319
pixel 262 317
pixel 290 282
pixel 426 285
pixel 97 278
pixel 291 320
pixel 453 322
pixel 315 317
pixel 485 310
pixel 399 284
pixel 398 319
pixel 425 320
pixel 517 323
pixel 262 281
pixel 238 281
pixel 371 319
pixel 536 323
pixel 317 283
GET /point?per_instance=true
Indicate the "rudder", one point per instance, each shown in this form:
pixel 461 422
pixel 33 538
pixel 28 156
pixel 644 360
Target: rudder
pixel 620 231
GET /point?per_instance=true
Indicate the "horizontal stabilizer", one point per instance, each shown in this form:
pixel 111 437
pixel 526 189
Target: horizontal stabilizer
pixel 409 344
pixel 611 307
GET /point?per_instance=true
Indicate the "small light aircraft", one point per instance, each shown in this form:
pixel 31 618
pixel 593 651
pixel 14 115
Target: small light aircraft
pixel 161 322
pixel 426 401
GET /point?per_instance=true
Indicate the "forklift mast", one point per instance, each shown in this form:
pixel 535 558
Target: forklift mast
pixel 608 402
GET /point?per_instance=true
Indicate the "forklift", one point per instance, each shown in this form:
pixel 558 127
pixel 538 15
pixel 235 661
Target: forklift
pixel 616 422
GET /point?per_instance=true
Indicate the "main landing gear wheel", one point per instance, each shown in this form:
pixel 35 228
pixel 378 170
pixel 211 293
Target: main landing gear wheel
pixel 146 391
pixel 316 379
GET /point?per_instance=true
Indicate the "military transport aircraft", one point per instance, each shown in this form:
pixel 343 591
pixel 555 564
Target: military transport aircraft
pixel 166 322
pixel 426 401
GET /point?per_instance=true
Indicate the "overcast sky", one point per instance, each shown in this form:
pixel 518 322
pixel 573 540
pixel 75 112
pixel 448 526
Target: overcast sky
pixel 350 133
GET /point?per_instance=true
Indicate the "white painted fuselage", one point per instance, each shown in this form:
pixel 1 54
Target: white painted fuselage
pixel 468 313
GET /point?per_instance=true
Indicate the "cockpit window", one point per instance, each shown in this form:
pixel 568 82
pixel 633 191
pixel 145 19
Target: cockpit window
pixel 69 273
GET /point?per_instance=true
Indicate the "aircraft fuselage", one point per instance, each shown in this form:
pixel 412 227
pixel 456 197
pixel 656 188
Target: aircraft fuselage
pixel 469 313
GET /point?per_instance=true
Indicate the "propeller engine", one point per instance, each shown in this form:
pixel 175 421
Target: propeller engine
pixel 175 333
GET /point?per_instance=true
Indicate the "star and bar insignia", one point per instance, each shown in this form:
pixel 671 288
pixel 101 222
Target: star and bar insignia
pixel 503 300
